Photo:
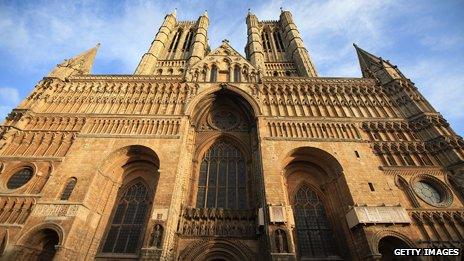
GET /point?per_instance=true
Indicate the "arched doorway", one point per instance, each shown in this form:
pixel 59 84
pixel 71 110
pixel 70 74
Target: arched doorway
pixel 316 190
pixel 388 244
pixel 40 245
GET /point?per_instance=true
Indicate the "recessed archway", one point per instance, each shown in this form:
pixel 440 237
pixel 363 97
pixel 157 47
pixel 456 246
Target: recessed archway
pixel 314 182
pixel 135 168
pixel 388 244
pixel 39 244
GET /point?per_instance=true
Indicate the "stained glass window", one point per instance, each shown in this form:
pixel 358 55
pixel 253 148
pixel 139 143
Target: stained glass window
pixel 315 237
pixel 427 192
pixel 20 178
pixel 68 189
pixel 222 178
pixel 128 220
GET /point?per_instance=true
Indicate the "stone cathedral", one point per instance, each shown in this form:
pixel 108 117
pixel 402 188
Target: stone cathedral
pixel 204 154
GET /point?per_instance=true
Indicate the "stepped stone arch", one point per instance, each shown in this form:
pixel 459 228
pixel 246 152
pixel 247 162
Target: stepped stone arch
pixel 193 104
pixel 229 250
pixel 314 183
pixel 136 170
pixel 42 242
pixel 129 154
pixel 385 240
pixel 312 155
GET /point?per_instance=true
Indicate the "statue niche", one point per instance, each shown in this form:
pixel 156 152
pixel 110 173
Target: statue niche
pixel 281 241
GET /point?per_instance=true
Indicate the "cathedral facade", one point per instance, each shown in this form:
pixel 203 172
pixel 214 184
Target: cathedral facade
pixel 208 155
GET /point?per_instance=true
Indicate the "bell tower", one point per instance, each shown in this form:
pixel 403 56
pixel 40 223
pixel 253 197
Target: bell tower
pixel 276 47
pixel 176 45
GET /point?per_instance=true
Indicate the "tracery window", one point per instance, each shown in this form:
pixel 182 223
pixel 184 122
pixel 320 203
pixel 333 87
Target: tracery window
pixel 128 220
pixel 315 237
pixel 222 178
pixel 428 192
pixel 68 189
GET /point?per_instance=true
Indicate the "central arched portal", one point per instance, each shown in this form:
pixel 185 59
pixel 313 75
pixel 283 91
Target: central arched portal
pixel 224 167
pixel 224 191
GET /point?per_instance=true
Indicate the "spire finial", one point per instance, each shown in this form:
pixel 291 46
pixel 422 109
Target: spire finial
pixel 205 13
pixel 281 9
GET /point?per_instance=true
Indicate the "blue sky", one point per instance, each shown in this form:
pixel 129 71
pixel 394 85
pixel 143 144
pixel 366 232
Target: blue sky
pixel 424 38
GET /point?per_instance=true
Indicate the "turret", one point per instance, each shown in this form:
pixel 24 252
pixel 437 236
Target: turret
pixel 254 48
pixel 200 44
pixel 296 49
pixel 277 48
pixel 149 59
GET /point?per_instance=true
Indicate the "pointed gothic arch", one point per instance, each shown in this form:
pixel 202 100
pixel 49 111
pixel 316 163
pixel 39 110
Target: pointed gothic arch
pixel 314 185
pixel 248 100
pixel 136 168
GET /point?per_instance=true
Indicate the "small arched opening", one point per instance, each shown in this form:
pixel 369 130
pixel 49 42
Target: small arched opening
pixel 40 245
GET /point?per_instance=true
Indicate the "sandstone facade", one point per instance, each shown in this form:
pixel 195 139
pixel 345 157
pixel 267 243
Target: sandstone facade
pixel 207 155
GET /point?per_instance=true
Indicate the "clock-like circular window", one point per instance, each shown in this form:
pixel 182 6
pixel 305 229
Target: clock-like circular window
pixel 433 191
pixel 20 178
pixel 428 192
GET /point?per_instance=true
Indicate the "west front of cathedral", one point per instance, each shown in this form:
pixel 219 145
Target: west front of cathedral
pixel 208 155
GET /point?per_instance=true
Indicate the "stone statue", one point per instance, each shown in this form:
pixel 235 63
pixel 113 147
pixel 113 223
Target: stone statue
pixel 156 236
pixel 280 241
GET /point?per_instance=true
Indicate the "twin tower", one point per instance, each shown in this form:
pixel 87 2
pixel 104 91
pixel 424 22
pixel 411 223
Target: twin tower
pixel 274 48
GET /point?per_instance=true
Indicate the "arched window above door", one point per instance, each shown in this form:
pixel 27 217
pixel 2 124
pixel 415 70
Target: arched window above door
pixel 222 178
pixel 314 234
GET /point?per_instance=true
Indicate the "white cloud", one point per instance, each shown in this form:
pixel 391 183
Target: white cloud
pixel 9 95
pixel 38 36
pixel 441 85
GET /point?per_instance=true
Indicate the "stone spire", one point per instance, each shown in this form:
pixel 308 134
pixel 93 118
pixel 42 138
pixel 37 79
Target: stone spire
pixel 376 67
pixel 79 65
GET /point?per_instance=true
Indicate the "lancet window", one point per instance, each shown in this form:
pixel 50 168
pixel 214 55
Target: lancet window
pixel 68 189
pixel 214 72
